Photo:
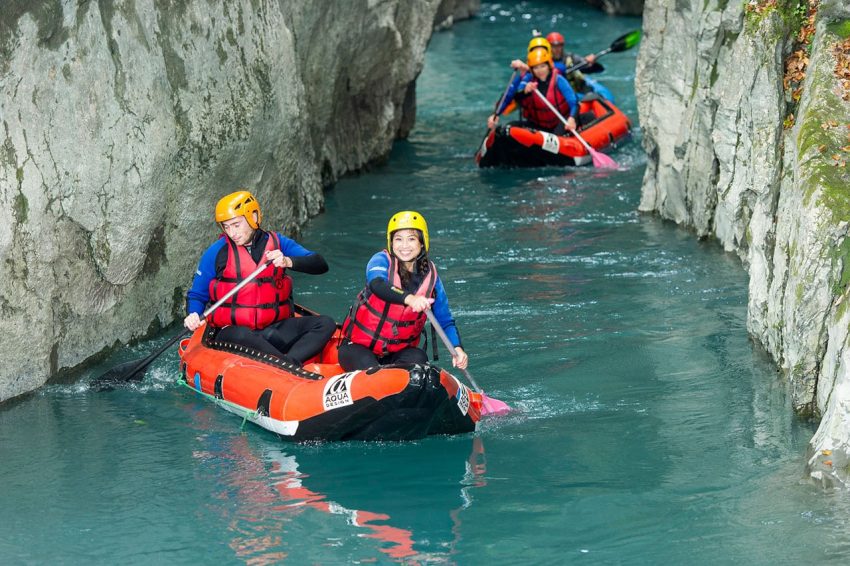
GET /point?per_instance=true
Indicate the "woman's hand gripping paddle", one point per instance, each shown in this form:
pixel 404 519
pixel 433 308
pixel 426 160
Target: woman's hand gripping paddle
pixel 600 160
pixel 489 406
pixel 135 370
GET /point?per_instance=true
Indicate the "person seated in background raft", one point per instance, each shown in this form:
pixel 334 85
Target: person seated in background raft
pixel 552 84
pixel 388 318
pixel 565 60
pixel 260 315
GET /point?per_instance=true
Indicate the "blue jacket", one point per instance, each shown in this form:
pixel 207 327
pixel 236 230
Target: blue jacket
pixel 378 267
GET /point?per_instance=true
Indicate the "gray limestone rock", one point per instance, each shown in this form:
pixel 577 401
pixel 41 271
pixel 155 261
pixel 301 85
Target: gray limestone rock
pixel 123 123
pixel 712 108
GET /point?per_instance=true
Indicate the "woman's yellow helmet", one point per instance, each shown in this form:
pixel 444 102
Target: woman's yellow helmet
pixel 538 57
pixel 240 203
pixel 407 219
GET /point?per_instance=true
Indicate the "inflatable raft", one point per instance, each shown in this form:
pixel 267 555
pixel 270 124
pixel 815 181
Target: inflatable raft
pixel 601 124
pixel 322 402
pixel 593 86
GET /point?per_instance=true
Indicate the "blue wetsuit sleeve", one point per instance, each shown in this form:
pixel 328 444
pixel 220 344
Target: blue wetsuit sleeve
pixel 443 314
pixel 378 266
pixel 291 248
pixel 303 260
pixel 569 95
pixel 199 293
pixel 561 66
pixel 515 87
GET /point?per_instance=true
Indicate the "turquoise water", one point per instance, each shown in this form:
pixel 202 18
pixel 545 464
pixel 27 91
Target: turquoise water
pixel 648 428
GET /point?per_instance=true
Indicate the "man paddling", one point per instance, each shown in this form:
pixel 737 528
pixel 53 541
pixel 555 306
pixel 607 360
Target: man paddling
pixel 565 60
pixel 260 316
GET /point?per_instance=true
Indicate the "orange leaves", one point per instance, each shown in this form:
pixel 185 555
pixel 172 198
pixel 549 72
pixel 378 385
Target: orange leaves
pixel 804 36
pixel 797 63
pixel 788 122
pixel 795 69
pixel 760 6
pixel 841 51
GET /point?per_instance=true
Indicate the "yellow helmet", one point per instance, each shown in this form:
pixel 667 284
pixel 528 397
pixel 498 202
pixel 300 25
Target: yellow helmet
pixel 538 57
pixel 240 203
pixel 539 42
pixel 407 219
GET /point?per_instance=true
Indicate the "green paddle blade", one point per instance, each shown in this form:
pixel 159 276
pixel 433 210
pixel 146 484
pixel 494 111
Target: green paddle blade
pixel 626 41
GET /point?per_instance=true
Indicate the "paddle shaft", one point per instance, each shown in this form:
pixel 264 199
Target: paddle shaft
pixel 625 41
pixel 253 275
pixel 553 109
pixel 433 320
pixel 496 108
pixel 504 94
pixel 600 160
pixel 136 367
pixel 585 63
pixel 236 289
pixel 574 131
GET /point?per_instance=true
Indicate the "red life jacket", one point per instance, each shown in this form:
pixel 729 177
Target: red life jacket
pixel 535 110
pixel 386 327
pixel 264 300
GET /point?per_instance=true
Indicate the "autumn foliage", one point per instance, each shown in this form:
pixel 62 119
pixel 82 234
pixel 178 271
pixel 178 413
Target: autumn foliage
pixel 797 62
pixel 841 51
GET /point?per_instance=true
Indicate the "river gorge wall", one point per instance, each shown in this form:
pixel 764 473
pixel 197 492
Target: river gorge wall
pixel 124 122
pixel 745 111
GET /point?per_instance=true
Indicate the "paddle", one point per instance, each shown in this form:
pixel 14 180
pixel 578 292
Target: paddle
pixel 499 103
pixel 622 43
pixel 600 160
pixel 489 406
pixel 135 370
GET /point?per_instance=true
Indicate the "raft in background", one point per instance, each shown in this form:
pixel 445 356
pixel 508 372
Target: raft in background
pixel 598 88
pixel 603 126
pixel 322 402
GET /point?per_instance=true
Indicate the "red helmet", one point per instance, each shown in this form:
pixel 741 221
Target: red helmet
pixel 555 38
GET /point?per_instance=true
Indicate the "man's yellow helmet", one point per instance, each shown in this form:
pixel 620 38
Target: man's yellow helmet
pixel 240 203
pixel 407 219
pixel 539 42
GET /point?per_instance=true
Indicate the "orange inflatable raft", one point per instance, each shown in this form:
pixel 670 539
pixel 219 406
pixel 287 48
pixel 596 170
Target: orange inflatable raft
pixel 322 402
pixel 602 125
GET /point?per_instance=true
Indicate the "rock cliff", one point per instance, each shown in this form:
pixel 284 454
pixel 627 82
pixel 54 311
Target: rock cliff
pixel 124 122
pixel 745 110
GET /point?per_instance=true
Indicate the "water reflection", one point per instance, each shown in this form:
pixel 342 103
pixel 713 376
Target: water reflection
pixel 364 502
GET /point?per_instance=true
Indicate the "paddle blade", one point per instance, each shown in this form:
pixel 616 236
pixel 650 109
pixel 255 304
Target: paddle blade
pixel 626 41
pixel 128 371
pixel 494 407
pixel 602 161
